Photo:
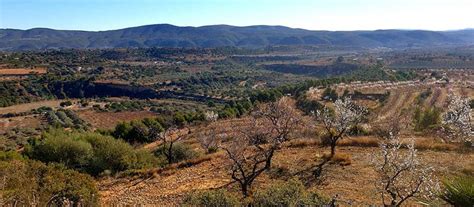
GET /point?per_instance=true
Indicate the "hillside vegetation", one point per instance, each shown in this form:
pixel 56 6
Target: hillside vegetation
pixel 164 35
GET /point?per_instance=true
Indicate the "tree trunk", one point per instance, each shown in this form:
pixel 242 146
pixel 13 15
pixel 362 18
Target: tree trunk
pixel 245 190
pixel 333 149
pixel 170 153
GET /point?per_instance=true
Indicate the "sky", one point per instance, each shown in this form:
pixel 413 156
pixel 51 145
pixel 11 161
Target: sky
pixel 99 15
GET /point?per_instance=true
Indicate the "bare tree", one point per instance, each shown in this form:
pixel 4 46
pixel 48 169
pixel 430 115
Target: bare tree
pixel 168 138
pixel 401 175
pixel 211 139
pixel 251 151
pixel 457 119
pixel 336 123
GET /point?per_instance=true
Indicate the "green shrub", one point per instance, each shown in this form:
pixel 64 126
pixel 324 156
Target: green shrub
pixel 212 149
pixel 27 182
pixel 115 155
pixel 290 193
pixel 10 155
pixel 13 140
pixel 307 105
pixel 329 94
pixel 212 198
pixel 65 103
pixel 137 131
pixel 89 152
pixel 427 119
pixel 179 152
pixel 59 147
pixel 459 191
pixel 357 130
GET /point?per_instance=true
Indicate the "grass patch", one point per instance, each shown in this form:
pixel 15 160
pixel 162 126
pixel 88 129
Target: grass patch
pixel 301 143
pixel 339 158
pixel 359 142
pixel 435 146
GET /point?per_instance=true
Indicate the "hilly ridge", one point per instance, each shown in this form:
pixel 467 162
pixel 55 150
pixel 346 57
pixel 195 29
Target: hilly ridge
pixel 165 35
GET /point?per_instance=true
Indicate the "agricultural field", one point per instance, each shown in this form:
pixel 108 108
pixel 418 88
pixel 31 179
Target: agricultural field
pixel 21 71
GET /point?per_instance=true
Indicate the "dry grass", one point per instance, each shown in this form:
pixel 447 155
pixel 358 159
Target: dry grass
pixel 426 144
pixel 359 142
pixel 29 106
pixel 420 143
pixel 22 71
pixel 343 159
pixel 301 143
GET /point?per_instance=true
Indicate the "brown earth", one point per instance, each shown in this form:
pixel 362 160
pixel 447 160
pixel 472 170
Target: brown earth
pixel 22 71
pixel 353 183
pixel 29 106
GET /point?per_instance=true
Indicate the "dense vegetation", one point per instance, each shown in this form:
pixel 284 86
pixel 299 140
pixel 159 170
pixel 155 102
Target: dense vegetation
pixel 89 152
pixel 29 183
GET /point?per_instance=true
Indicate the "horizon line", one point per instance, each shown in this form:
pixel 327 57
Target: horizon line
pixel 210 25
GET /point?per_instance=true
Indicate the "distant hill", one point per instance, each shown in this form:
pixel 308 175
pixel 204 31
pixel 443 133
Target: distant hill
pixel 165 35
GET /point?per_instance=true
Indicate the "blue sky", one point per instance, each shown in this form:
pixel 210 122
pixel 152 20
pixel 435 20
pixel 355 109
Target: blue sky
pixel 309 14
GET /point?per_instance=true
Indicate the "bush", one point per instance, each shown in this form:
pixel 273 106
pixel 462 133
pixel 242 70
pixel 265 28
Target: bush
pixel 58 147
pixel 179 151
pixel 308 106
pixel 459 191
pixel 137 131
pixel 115 155
pixel 89 152
pixel 212 198
pixel 329 94
pixel 357 130
pixel 65 103
pixel 427 119
pixel 10 155
pixel 290 193
pixel 25 183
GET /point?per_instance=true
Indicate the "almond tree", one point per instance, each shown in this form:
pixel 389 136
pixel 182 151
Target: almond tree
pixel 211 139
pixel 168 138
pixel 458 119
pixel 336 123
pixel 251 150
pixel 401 175
pixel 211 116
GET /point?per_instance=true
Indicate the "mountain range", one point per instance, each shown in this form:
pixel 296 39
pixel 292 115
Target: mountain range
pixel 166 35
